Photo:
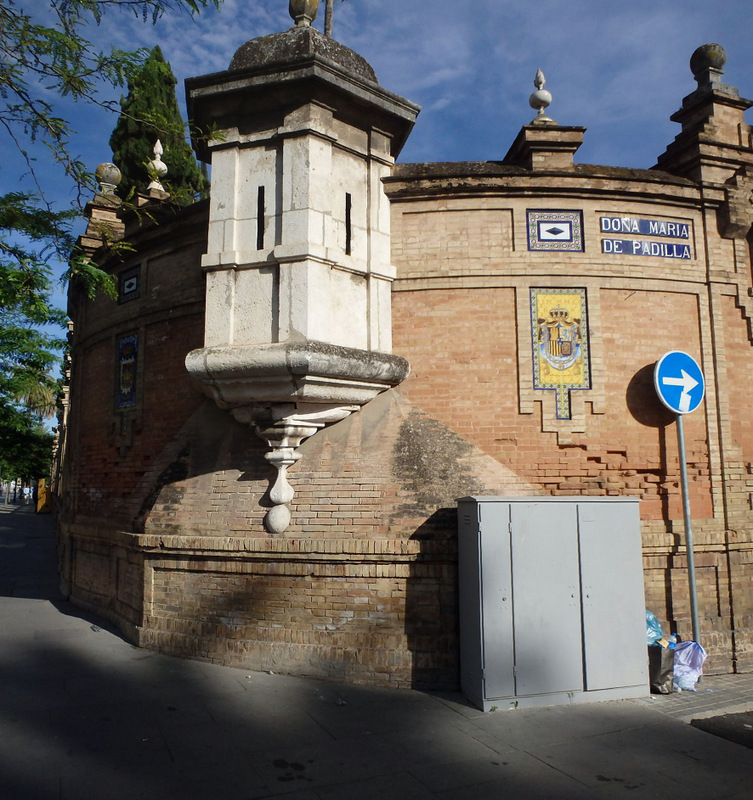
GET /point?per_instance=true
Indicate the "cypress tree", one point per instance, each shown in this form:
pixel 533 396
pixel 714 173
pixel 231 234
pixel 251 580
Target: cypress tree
pixel 150 112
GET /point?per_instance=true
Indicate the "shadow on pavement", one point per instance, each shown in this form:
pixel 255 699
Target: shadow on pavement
pixel 84 715
pixel 737 728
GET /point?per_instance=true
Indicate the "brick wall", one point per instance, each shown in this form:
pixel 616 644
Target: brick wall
pixel 462 346
pixel 111 448
pixel 163 521
pixel 361 586
pixel 461 317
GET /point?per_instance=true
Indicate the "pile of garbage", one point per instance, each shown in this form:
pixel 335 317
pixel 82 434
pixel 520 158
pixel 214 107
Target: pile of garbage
pixel 673 665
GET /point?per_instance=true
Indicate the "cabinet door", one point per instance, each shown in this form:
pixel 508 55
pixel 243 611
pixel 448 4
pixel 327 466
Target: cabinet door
pixel 613 601
pixel 546 591
pixel 496 600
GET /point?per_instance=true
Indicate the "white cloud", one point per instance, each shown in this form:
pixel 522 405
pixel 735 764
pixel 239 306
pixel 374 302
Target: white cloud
pixel 620 69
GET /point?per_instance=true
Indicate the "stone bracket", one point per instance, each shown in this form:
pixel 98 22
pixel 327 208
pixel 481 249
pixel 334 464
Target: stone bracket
pixel 284 428
pixel 287 391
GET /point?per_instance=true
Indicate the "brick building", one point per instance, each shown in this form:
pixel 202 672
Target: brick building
pixel 288 502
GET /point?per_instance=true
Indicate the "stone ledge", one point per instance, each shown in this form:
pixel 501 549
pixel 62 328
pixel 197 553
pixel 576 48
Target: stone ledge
pixel 258 546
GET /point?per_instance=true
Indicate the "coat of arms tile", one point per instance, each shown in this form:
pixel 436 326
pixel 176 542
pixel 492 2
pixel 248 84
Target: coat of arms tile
pixel 128 347
pixel 561 358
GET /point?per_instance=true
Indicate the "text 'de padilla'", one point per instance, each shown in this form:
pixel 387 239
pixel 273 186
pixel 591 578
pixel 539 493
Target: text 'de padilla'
pixel 638 247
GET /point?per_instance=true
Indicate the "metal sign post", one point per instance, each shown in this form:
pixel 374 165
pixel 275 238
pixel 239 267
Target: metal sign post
pixel 680 386
pixel 688 530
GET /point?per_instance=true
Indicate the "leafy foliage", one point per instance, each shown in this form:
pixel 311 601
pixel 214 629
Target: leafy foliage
pixel 28 393
pixel 25 446
pixel 150 112
pixel 41 62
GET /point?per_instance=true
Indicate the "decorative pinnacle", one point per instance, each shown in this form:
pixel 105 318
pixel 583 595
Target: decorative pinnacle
pixel 540 99
pixel 303 12
pixel 707 65
pixel 157 168
pixel 109 177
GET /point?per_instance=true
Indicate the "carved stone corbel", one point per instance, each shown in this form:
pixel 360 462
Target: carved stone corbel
pixel 287 392
pixel 284 428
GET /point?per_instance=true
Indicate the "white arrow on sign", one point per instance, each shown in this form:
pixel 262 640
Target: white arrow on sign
pixel 688 383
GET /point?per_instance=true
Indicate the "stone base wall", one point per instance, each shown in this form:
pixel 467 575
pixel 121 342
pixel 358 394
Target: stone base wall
pixel 371 621
pixel 341 609
pixel 103 571
pixel 335 613
pixel 361 587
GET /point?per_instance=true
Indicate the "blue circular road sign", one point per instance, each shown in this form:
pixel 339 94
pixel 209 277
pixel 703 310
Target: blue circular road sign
pixel 679 382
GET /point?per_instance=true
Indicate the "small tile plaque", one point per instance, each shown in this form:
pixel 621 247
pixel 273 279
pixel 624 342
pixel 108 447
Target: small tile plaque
pixel 129 284
pixel 555 230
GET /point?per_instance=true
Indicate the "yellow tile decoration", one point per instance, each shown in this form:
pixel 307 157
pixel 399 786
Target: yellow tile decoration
pixel 559 327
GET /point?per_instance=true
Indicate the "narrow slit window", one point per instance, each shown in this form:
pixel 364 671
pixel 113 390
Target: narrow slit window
pixel 348 227
pixel 260 218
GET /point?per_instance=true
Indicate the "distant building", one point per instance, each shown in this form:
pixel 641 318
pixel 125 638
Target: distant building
pixel 531 298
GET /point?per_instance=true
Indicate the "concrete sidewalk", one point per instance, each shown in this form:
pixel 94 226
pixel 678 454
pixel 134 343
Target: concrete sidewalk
pixel 84 716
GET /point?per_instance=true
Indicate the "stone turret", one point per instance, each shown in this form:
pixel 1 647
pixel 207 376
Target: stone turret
pixel 298 321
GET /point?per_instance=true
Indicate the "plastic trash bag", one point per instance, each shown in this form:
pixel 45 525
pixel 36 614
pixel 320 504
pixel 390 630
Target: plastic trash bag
pixel 688 665
pixel 653 629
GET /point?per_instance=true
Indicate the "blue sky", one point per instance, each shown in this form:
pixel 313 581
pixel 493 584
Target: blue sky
pixel 618 68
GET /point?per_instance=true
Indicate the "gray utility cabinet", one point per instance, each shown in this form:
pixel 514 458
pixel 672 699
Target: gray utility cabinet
pixel 551 600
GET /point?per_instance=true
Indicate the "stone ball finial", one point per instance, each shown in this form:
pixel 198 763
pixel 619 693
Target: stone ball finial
pixel 707 56
pixel 303 12
pixel 541 98
pixel 108 176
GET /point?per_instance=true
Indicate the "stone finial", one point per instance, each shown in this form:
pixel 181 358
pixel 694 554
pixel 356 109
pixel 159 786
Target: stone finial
pixel 157 168
pixel 105 225
pixel 540 99
pixel 707 63
pixel 108 177
pixel 303 12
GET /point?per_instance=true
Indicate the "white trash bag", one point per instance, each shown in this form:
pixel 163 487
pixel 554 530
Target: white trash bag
pixel 688 667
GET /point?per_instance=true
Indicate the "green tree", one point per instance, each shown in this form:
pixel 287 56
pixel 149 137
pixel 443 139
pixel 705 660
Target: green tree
pixel 27 357
pixel 29 342
pixel 41 62
pixel 25 446
pixel 150 112
pixel 28 394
